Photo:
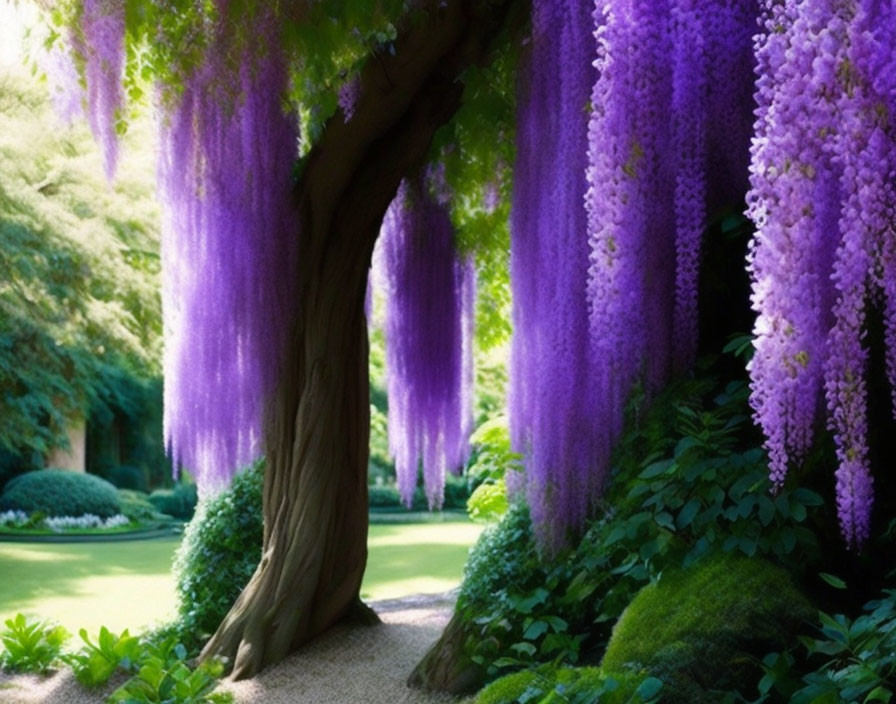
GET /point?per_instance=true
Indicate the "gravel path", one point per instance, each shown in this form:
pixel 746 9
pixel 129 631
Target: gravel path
pixel 347 665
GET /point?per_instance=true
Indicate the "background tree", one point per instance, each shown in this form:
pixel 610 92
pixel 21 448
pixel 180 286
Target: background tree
pixel 80 314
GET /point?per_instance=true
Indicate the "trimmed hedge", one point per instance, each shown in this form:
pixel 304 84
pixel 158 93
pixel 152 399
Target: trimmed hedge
pixel 55 492
pixel 136 505
pixel 387 498
pixel 127 477
pixel 179 502
pixel 219 553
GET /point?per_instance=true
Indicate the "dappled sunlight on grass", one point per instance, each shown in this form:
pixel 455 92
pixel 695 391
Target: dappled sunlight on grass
pixel 86 585
pixel 424 534
pixel 130 585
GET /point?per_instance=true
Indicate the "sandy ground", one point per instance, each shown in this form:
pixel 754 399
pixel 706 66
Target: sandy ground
pixel 348 665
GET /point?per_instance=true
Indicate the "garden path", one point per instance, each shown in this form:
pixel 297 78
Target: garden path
pixel 347 665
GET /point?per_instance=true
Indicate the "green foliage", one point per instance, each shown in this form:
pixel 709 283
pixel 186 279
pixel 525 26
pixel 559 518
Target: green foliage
pixel 851 660
pixel 388 499
pixel 80 304
pixel 701 629
pixel 127 477
pixel 31 646
pixel 164 677
pixel 687 482
pixel 55 492
pixel 136 505
pixel 491 460
pixel 95 663
pixel 219 553
pixel 567 685
pixel 488 502
pixel 179 502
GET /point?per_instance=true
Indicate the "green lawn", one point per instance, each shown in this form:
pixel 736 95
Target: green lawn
pixel 129 584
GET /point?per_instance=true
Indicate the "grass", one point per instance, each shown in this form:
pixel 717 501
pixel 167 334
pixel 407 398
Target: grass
pixel 130 585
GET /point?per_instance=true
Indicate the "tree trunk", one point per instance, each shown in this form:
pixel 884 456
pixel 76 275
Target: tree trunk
pixel 446 667
pixel 317 427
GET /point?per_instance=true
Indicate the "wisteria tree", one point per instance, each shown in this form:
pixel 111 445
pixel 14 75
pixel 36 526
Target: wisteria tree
pixel 629 128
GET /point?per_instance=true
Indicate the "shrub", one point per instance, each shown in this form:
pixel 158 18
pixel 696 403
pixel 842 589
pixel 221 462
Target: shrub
pixel 31 646
pixel 685 484
pixel 701 629
pixel 55 492
pixel 384 497
pixel 179 502
pixel 457 491
pixel 127 477
pixel 219 553
pixel 136 505
pixel 571 685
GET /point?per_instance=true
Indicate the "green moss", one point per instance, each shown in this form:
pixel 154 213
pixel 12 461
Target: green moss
pixel 576 684
pixel 704 628
pixel 507 689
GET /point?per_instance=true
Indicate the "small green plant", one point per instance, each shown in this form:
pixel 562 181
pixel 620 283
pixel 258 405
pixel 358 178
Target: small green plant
pixel 31 646
pixel 94 664
pixel 854 660
pixel 165 678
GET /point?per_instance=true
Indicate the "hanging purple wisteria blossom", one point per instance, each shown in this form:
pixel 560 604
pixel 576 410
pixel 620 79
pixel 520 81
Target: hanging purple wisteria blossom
pixel 103 26
pixel 430 295
pixel 606 296
pixel 822 200
pixel 229 253
pixel 555 421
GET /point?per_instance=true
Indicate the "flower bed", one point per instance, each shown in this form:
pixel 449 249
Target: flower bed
pixel 19 522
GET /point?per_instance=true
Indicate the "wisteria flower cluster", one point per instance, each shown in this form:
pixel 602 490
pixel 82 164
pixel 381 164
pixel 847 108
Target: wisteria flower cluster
pixel 822 199
pixel 429 330
pixel 229 249
pixel 606 295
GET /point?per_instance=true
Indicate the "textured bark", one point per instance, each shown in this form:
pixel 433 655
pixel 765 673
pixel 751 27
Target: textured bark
pixel 446 667
pixel 317 427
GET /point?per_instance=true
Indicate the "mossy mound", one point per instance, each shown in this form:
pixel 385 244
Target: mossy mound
pixel 704 629
pixel 574 684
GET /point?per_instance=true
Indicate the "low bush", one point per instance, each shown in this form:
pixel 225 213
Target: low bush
pixel 165 677
pixel 703 629
pixel 179 502
pixel 31 646
pixel 136 505
pixel 127 477
pixel 571 685
pixel 385 498
pixel 220 551
pixel 54 492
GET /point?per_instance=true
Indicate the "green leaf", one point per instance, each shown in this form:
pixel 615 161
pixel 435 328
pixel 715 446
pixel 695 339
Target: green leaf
pixel 834 581
pixel 649 688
